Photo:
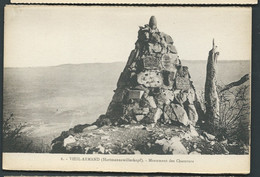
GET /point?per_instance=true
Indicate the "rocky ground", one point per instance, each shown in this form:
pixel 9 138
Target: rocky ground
pixel 140 139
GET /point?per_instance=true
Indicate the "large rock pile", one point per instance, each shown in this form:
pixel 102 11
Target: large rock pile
pixel 154 85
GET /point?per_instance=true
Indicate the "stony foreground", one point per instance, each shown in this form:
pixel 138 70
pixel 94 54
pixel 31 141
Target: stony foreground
pixel 139 139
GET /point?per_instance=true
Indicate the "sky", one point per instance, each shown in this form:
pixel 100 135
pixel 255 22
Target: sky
pixel 49 36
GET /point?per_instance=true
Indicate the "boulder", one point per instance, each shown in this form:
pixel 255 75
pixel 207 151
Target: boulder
pixel 176 146
pixel 135 94
pixel 168 39
pixel 209 136
pixel 139 117
pixel 155 38
pixel 172 48
pixel 187 136
pixel 165 145
pixel 154 48
pixel 167 96
pixel 151 101
pixel 180 97
pixel 194 153
pixel 157 115
pixel 191 96
pixel 101 149
pixel 92 127
pixel 70 139
pixel 192 114
pixel 137 152
pixel 193 131
pixel 173 146
pixel 146 111
pixel 180 114
pixel 169 113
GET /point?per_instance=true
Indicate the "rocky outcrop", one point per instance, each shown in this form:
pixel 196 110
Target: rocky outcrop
pixel 211 94
pixel 138 139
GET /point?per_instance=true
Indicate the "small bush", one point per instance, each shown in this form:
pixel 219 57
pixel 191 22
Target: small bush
pixel 234 119
pixel 13 140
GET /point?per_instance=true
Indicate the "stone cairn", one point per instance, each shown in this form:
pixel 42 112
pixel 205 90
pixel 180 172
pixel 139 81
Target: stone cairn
pixel 154 86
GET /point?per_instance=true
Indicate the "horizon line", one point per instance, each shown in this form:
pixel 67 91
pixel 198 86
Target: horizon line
pixel 103 63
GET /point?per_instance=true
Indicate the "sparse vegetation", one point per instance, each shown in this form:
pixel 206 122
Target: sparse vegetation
pixel 13 140
pixel 16 140
pixel 234 123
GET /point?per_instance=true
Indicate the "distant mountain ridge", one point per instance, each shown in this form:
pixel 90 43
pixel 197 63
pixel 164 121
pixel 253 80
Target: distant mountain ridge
pixel 120 62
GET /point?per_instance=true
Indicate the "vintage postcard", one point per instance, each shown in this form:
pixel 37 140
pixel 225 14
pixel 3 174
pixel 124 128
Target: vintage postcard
pixel 127 89
pixel 190 2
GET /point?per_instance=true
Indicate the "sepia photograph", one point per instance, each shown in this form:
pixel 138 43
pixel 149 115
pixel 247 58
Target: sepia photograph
pixel 138 81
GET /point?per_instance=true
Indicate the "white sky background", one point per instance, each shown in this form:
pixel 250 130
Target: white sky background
pixel 47 36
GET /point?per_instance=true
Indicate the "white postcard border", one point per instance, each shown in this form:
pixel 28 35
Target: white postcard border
pixel 221 164
pixel 180 2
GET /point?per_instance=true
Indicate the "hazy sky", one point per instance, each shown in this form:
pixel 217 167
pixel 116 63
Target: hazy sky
pixel 46 36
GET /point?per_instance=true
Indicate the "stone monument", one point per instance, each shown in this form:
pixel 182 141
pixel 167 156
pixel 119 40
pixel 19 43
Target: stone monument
pixel 154 86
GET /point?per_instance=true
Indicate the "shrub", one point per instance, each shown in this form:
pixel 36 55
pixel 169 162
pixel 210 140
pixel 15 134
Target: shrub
pixel 234 119
pixel 13 140
pixel 234 122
